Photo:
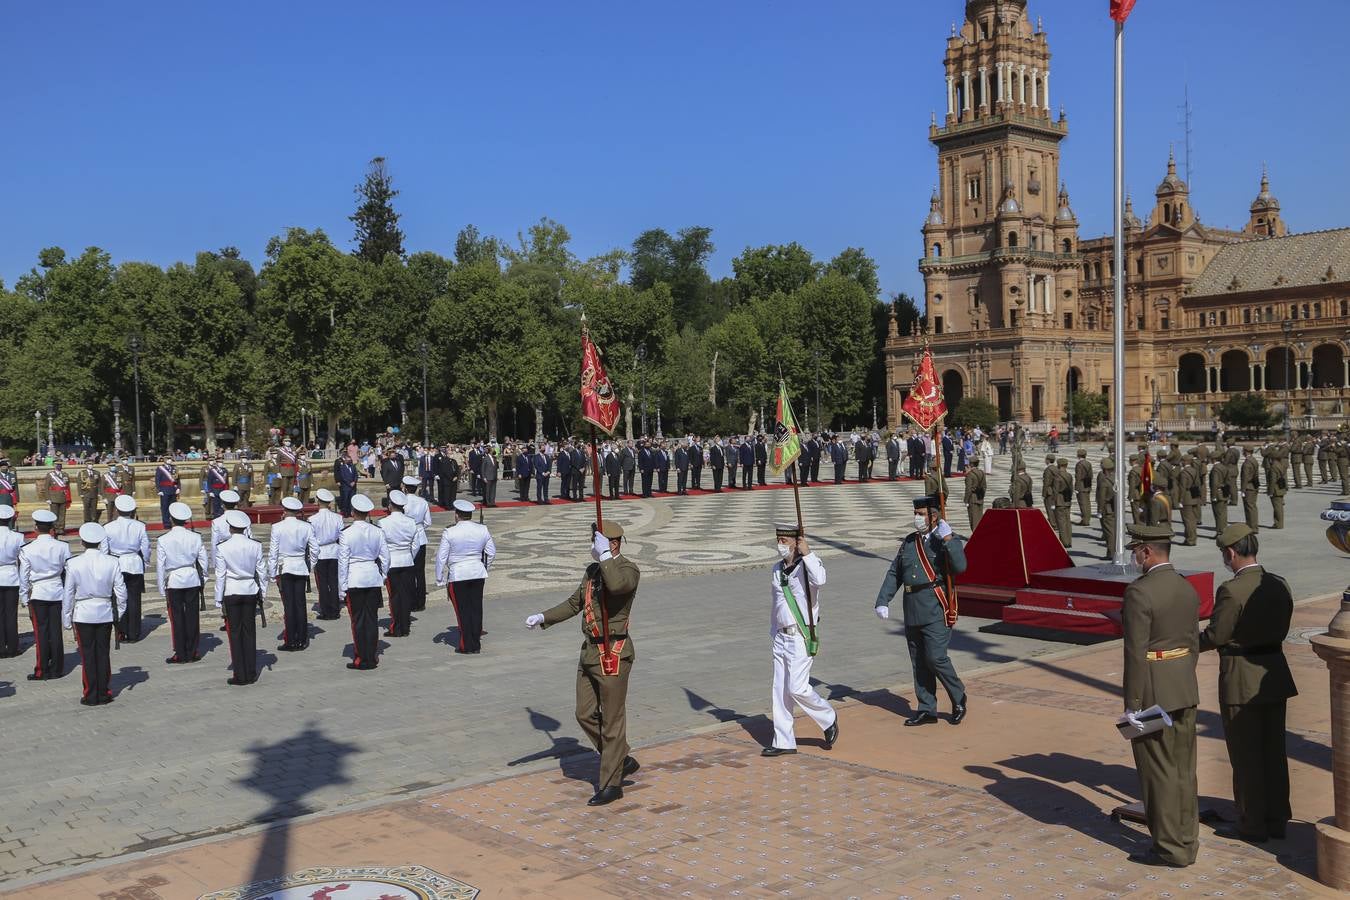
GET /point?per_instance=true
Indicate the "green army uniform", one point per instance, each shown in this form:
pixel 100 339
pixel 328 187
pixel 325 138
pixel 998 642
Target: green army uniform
pixel 1159 616
pixel 926 628
pixel 1189 485
pixel 126 478
pixel 1048 487
pixel 1201 456
pixel 56 492
pixel 1174 460
pixel 1082 481
pixel 1162 477
pixel 1233 460
pixel 89 481
pixel 601 698
pixel 1134 484
pixel 1159 510
pixel 1250 480
pixel 1106 504
pixel 1252 611
pixel 1063 503
pixel 975 489
pixel 1324 458
pixel 242 476
pixel 1295 451
pixel 1277 485
pixel 1218 495
pixel 1343 465
pixel 930 484
pixel 1019 490
pixel 304 477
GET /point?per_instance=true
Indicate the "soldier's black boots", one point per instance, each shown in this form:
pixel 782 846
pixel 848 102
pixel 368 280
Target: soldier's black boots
pixel 606 795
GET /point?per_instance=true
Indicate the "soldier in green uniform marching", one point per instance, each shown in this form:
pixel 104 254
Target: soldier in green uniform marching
pixel 1277 483
pixel 1189 485
pixel 1048 483
pixel 927 556
pixel 1218 493
pixel 1251 618
pixel 1106 503
pixel 1082 483
pixel 1063 502
pixel 605 601
pixel 1019 490
pixel 1134 485
pixel 1159 615
pixel 1250 482
pixel 975 490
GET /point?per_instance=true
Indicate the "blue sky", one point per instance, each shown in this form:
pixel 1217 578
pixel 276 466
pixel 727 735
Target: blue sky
pixel 158 129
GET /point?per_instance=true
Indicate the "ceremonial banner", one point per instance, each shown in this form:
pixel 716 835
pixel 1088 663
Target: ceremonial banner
pixel 924 404
pixel 1120 10
pixel 599 406
pixel 787 443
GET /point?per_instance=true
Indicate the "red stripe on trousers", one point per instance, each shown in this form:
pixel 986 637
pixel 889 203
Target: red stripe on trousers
pixel 84 663
pixel 173 632
pixel 37 640
pixel 356 647
pixel 455 603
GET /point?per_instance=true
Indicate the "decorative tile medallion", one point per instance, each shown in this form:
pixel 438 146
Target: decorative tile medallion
pixel 359 883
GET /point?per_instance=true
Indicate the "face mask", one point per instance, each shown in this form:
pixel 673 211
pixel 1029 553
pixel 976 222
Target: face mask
pixel 784 550
pixel 920 523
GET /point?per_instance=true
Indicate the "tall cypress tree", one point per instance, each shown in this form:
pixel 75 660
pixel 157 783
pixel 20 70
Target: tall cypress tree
pixel 377 231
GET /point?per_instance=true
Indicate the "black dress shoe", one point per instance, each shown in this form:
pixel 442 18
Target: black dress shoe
pixel 630 766
pixel 776 751
pixel 173 660
pixel 233 681
pixel 1232 834
pixel 605 795
pixel 1150 858
pixel 958 713
pixel 35 677
pixel 832 733
pixel 352 665
pixel 921 718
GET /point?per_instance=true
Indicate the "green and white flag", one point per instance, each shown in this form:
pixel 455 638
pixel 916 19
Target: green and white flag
pixel 787 442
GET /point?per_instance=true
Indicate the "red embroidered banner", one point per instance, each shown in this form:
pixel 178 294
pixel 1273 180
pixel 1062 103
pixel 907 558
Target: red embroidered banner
pixel 599 406
pixel 924 404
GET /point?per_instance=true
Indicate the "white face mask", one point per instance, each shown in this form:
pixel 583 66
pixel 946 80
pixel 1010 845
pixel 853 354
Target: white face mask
pixel 920 523
pixel 784 550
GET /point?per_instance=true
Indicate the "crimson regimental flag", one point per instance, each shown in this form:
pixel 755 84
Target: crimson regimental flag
pixel 599 405
pixel 924 404
pixel 1120 10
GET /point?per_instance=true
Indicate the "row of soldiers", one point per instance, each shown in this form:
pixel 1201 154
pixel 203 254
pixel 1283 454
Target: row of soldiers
pixel 1181 484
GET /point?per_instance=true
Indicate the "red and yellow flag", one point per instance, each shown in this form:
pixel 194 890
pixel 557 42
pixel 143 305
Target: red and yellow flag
pixel 1120 10
pixel 1146 476
pixel 924 404
pixel 599 405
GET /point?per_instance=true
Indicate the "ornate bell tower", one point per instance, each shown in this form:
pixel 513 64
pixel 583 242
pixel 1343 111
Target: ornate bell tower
pixel 1000 242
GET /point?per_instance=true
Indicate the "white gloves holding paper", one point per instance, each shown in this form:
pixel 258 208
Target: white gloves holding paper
pixel 534 621
pixel 883 612
pixel 1132 716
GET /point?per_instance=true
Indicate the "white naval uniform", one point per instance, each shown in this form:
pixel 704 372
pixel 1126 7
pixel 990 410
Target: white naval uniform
pixel 11 542
pixel 403 535
pixel 294 548
pixel 180 560
pixel 327 527
pixel 127 540
pixel 363 557
pixel 93 582
pixel 241 568
pixel 791 664
pixel 465 553
pixel 220 533
pixel 42 565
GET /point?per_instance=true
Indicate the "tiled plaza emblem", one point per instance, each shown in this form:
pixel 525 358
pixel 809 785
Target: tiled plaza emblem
pixel 358 883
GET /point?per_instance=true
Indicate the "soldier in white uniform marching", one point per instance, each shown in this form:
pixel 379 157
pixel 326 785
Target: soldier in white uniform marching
pixel 462 562
pixel 11 542
pixel 241 578
pixel 93 598
pixel 403 535
pixel 419 510
pixel 180 574
pixel 363 558
pixel 42 566
pixel 291 555
pixel 127 540
pixel 220 529
pixel 797 577
pixel 327 527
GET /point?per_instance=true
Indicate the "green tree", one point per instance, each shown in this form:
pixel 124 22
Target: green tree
pixel 740 362
pixel 681 263
pixel 377 231
pixel 763 271
pixel 973 411
pixel 471 248
pixel 836 320
pixel 854 263
pixel 1249 413
pixel 1089 410
pixel 621 319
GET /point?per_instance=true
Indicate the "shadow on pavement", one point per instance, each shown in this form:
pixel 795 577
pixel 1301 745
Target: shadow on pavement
pixel 847 548
pixel 698 703
pixel 576 760
pixel 285 783
pixel 6 689
pixel 207 642
pixel 126 678
pixel 1046 802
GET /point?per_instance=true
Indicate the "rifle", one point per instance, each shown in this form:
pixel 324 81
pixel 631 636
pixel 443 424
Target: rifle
pixel 262 609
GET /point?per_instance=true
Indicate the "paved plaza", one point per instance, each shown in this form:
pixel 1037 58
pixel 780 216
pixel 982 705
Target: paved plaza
pixel 428 747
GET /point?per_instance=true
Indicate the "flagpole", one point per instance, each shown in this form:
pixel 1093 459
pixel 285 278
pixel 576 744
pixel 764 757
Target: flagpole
pixel 1118 276
pixel 595 480
pixel 797 498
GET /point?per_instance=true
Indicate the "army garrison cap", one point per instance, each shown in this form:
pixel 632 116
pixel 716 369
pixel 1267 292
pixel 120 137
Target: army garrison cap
pixel 1049 457
pixel 787 529
pixel 1108 463
pixel 612 530
pixel 1148 534
pixel 1232 534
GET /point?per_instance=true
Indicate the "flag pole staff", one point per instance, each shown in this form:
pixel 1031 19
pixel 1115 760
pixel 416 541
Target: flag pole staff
pixel 595 480
pixel 1118 275
pixel 797 496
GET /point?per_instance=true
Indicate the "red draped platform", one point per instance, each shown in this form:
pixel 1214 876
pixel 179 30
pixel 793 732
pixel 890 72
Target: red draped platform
pixel 1017 572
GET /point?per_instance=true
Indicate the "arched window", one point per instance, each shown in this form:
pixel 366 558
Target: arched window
pixel 937 251
pixel 1223 317
pixel 1167 213
pixel 1317 310
pixel 1068 246
pixel 1213 320
pixel 1035 242
pixel 1246 317
pixel 1012 239
pixel 1306 311
pixel 1087 271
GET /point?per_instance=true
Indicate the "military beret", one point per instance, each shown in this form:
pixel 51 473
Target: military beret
pixel 92 533
pixel 229 496
pixel 292 503
pixel 1149 534
pixel 125 503
pixel 44 516
pixel 788 529
pixel 1232 534
pixel 929 502
pixel 323 495
pixel 362 503
pixel 612 530
pixel 180 512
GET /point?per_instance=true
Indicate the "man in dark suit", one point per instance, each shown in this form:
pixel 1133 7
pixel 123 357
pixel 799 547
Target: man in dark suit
pixel 914 448
pixel 646 461
pixel 860 452
pixel 696 464
pixel 761 457
pixel 892 456
pixel 839 458
pixel 475 454
pixel 662 469
pixel 426 472
pixel 817 448
pixel 581 464
pixel 948 449
pixel 681 469
pixel 391 473
pixel 542 467
pixel 747 463
pixel 613 467
pixel 524 471
pixel 733 458
pixel 487 468
pixel 565 470
pixel 716 460
pixel 628 463
pixel 346 475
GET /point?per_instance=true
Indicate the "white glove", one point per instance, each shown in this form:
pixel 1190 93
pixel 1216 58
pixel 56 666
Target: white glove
pixel 534 621
pixel 600 547
pixel 943 530
pixel 883 612
pixel 1132 716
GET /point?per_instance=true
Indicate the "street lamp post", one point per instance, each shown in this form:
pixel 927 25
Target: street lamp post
pixel 642 377
pixel 304 426
pixel 51 432
pixel 1068 345
pixel 37 421
pixel 136 370
pixel 402 413
pixel 1288 327
pixel 243 426
pixel 426 425
pixel 815 354
pixel 117 426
